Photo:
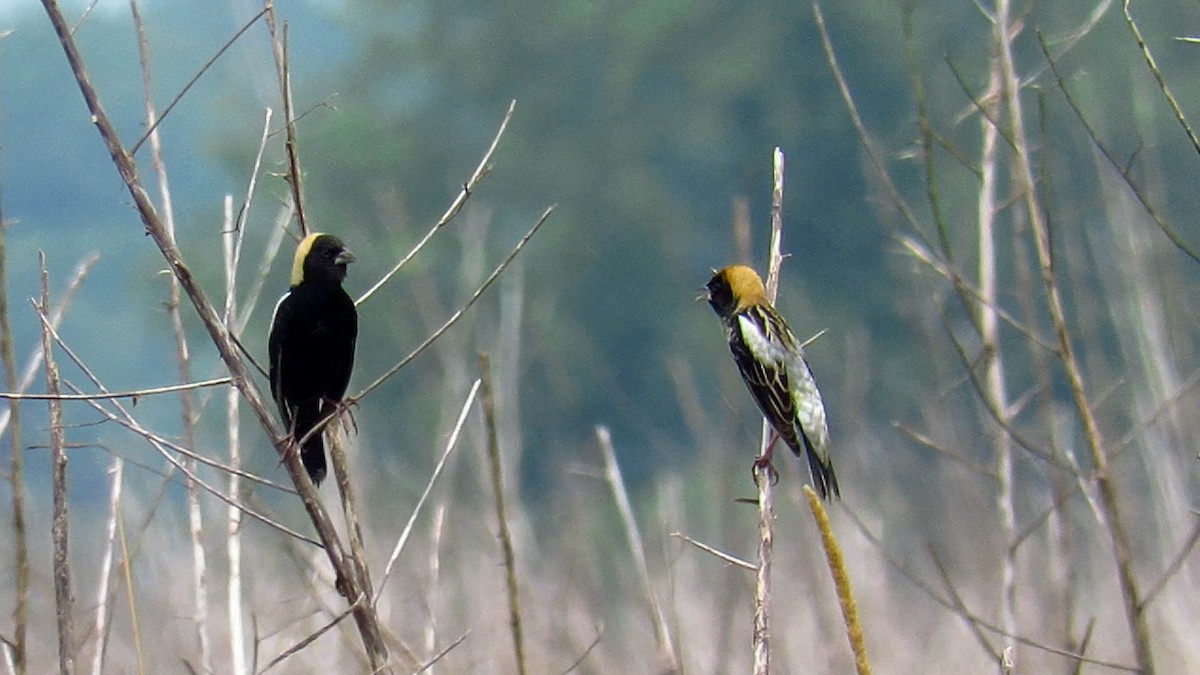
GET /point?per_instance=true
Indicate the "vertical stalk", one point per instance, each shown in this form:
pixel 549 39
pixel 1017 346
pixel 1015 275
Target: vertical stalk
pixel 233 518
pixel 59 534
pixel 183 356
pixel 16 470
pixel 117 471
pixel 994 381
pixel 506 545
pixel 766 496
pixel 633 535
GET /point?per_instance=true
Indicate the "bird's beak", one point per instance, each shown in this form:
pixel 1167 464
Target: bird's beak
pixel 703 295
pixel 344 258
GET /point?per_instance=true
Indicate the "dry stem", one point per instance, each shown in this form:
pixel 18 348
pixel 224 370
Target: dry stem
pixel 634 537
pixel 116 471
pixel 506 545
pixel 437 471
pixel 59 531
pixel 16 475
pixel 761 639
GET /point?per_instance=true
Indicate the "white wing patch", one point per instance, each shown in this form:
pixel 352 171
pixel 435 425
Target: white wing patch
pixel 760 345
pixel 275 311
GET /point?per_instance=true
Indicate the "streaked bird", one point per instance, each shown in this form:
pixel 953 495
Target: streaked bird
pixel 311 345
pixel 772 365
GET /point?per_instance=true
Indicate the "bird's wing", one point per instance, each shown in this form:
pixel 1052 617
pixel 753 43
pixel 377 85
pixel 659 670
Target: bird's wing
pixel 762 355
pixel 346 337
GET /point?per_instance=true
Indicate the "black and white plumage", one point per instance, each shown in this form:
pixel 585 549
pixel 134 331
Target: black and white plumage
pixel 311 345
pixel 771 362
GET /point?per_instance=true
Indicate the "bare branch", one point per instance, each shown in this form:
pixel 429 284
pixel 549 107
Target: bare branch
pixel 662 632
pixel 1114 161
pixel 485 165
pixel 506 544
pixel 456 316
pixel 195 78
pixel 108 395
pixel 279 47
pixel 732 560
pixel 437 471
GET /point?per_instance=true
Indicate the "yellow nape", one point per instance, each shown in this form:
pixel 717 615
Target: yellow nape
pixel 746 286
pixel 301 253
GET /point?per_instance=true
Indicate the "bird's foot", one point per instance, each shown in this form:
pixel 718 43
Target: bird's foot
pixel 764 464
pixel 344 413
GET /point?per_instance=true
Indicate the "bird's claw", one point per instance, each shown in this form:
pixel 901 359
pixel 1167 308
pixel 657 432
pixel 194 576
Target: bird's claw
pixel 764 463
pixel 344 413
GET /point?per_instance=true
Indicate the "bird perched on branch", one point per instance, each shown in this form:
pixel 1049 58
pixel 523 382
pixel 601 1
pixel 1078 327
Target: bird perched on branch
pixel 772 365
pixel 311 344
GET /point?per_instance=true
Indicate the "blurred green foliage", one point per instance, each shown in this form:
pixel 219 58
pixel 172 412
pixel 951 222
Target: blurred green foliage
pixel 642 121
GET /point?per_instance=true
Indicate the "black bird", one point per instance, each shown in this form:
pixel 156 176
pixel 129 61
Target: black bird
pixel 311 344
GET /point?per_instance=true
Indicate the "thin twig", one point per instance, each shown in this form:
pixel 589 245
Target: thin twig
pixel 962 611
pixel 506 544
pixel 195 78
pixel 442 654
pixel 1114 161
pixel 732 560
pixel 130 423
pixel 579 661
pixel 864 136
pixel 341 471
pixel 130 594
pixel 116 471
pixel 633 537
pixel 16 476
pixel 995 380
pixel 56 316
pixel 925 441
pixel 484 166
pixel 1162 81
pixel 279 47
pixel 230 500
pixel 437 471
pixel 432 585
pixel 108 395
pixel 952 275
pixel 309 639
pixel 1174 566
pixel 457 314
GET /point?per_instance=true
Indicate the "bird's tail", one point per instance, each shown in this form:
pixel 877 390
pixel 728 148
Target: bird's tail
pixel 821 466
pixel 313 452
pixel 823 476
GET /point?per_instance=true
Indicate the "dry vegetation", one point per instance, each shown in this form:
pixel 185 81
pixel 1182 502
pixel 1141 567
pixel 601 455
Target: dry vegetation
pixel 1066 547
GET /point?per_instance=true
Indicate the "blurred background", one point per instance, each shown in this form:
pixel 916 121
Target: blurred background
pixel 651 126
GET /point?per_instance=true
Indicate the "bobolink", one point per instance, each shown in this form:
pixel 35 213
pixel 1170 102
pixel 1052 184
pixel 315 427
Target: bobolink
pixel 772 365
pixel 311 344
